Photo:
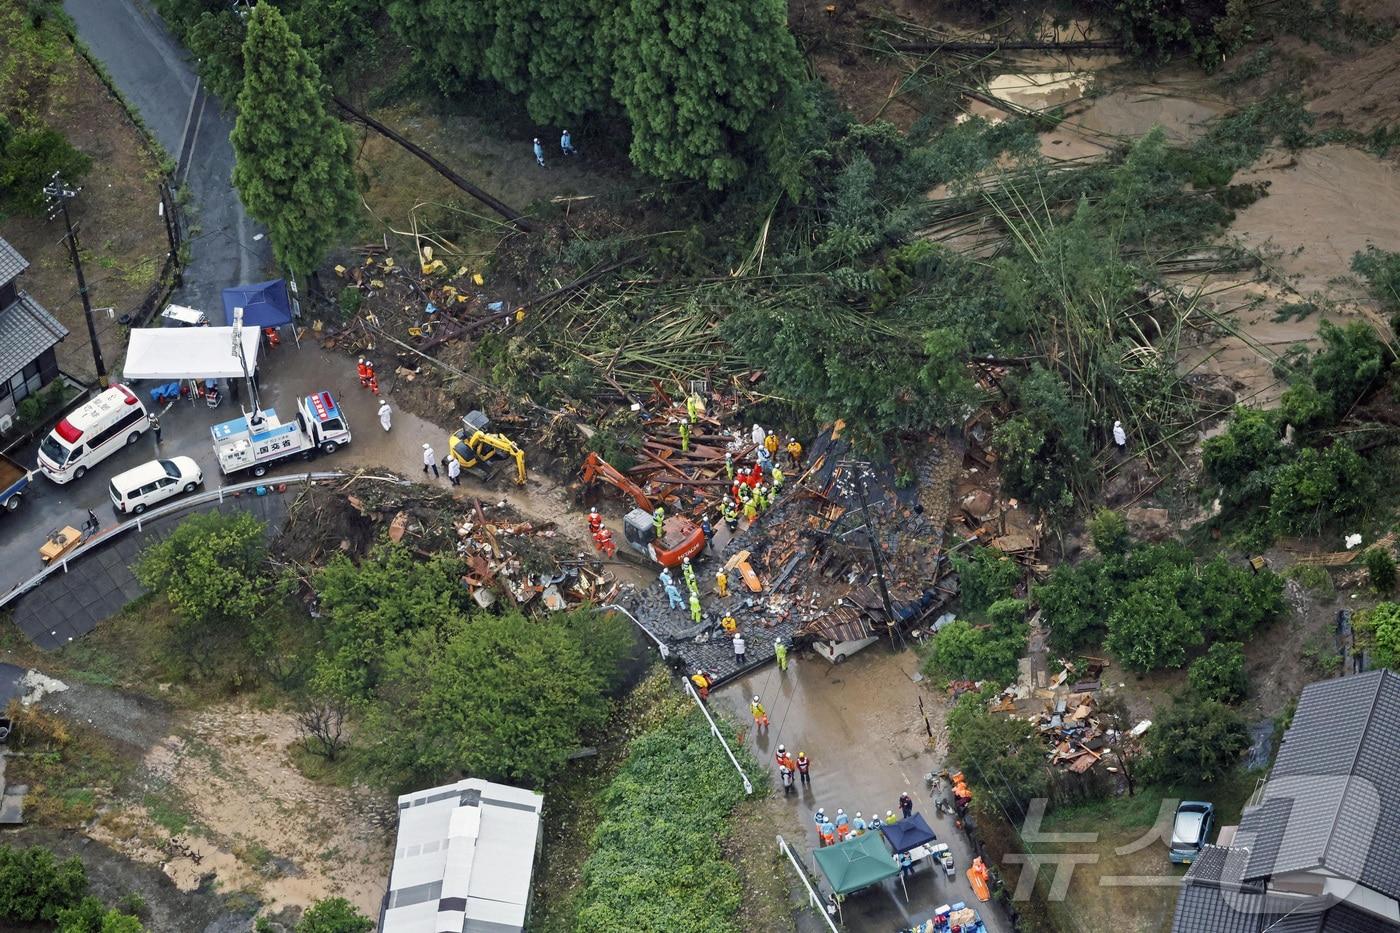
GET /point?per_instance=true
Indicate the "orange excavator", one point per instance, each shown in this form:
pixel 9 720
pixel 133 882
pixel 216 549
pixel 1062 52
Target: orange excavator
pixel 681 537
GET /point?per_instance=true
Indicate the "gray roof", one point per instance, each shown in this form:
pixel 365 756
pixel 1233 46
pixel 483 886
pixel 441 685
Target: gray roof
pixel 1335 787
pixel 26 331
pixel 11 262
pixel 1213 899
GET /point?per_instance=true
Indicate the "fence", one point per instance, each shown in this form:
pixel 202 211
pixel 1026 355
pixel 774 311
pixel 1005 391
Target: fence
pixel 813 898
pixel 184 504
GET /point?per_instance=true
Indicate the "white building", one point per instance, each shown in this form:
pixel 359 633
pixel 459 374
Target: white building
pixel 463 861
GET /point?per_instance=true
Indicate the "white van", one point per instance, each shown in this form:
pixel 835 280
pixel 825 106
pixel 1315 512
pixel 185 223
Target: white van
pixel 92 433
pixel 139 488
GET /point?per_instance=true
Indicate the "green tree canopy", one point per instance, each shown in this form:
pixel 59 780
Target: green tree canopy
pixel 293 168
pixel 1002 757
pixel 1219 673
pixel 1196 742
pixel 704 86
pixel 985 575
pixel 37 886
pixel 1378 630
pixel 502 697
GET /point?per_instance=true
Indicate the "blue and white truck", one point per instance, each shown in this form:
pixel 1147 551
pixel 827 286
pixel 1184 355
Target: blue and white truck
pixel 14 480
pixel 257 440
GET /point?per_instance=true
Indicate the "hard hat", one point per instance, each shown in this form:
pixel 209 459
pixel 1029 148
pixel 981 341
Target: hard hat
pixel 782 748
pixel 427 446
pixel 362 359
pixel 840 812
pixel 685 560
pixel 801 754
pixel 755 697
pixel 857 814
pixel 889 814
pixel 593 511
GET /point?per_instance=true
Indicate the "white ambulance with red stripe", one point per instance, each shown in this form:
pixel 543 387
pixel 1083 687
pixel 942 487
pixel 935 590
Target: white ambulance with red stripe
pixel 92 433
pixel 256 441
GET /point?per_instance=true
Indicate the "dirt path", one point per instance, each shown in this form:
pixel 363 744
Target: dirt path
pixel 225 788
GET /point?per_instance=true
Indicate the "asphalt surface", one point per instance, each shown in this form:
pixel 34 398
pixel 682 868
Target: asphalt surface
pixel 154 73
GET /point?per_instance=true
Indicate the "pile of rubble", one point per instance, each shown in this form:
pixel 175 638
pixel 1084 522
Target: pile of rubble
pixel 506 555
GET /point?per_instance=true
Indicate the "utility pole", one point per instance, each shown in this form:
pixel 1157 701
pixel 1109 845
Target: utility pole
pixel 858 469
pixel 59 194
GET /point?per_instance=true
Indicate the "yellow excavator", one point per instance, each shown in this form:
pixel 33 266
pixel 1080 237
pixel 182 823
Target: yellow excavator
pixel 473 445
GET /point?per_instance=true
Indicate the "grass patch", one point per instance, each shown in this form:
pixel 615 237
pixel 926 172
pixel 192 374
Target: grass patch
pixel 167 811
pixel 69 768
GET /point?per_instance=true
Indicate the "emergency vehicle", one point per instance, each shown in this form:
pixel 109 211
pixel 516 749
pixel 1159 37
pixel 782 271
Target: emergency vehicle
pixel 257 440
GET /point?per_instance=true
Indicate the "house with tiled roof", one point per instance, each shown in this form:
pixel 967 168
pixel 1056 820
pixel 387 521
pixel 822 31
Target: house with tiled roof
pixel 1318 847
pixel 28 336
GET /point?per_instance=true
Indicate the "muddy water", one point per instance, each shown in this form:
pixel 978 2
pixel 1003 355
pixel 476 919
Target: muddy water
pixel 1323 206
pixel 861 725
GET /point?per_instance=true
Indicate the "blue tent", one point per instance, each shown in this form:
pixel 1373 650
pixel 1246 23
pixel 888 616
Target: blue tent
pixel 264 304
pixel 907 834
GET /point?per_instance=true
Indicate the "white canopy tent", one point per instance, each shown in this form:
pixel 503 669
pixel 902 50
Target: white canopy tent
pixel 171 353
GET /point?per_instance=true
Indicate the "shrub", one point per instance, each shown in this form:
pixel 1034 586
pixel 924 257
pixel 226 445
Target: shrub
pixel 1318 488
pixel 1219 673
pixel 1380 568
pixel 334 915
pixel 28 161
pixel 1238 461
pixel 1109 531
pixel 1003 757
pixel 1378 631
pixel 1195 742
pixel 35 885
pixel 657 862
pixel 1381 270
pixel 984 577
pixel 1074 604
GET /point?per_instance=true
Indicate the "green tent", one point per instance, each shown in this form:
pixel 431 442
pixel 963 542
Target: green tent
pixel 856 863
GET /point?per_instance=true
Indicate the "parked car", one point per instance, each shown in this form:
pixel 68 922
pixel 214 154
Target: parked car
pixel 150 484
pixel 1191 830
pixel 115 418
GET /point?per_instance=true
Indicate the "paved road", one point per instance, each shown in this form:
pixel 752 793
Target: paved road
pixel 153 71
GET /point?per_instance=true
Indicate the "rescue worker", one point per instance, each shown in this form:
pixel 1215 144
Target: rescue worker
pixel 729 624
pixel 688 572
pixel 804 766
pixel 1120 440
pixel 770 444
pixel 721 583
pixel 695 615
pixel 906 805
pixel 778 479
pixel 794 452
pixel 739 649
pixel 674 595
pixel 755 475
pixel 760 715
pixel 566 144
pixel 765 460
pixel 539 152
pixel 274 339
pixel 454 471
pixel 702 684
pixel 760 497
pixel 875 823
pixel 730 515
pixel 685 436
pixel 363 372
pixel 729 466
pixel 666 578
pixel 782 757
pixel 780 652
pixel 828 833
pixel 708 531
pixel 744 493
pixel 373 382
pixel 906 864
pixel 751 510
pixel 858 825
pixel 889 818
pixel 595 521
pixel 603 541
pixel 430 461
pixel 386 416
pixel 819 818
pixel 758 434
pixel 785 774
pixel 658 522
pixel 843 825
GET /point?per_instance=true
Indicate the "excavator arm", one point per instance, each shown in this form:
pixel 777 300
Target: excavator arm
pixel 506 446
pixel 596 469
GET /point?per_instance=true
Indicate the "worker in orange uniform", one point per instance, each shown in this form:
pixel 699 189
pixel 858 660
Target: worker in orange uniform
pixel 595 521
pixel 373 382
pixel 603 541
pixel 363 370
pixel 274 339
pixel 760 715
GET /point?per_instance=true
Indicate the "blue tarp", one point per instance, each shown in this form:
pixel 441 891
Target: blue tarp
pixel 264 304
pixel 905 834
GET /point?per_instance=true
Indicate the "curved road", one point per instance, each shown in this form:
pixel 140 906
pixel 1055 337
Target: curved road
pixel 153 71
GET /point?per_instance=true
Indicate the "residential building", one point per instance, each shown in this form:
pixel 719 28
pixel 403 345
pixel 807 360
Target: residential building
pixel 28 336
pixel 463 860
pixel 1318 847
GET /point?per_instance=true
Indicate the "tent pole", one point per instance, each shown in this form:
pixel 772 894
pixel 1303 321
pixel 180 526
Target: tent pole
pixel 903 885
